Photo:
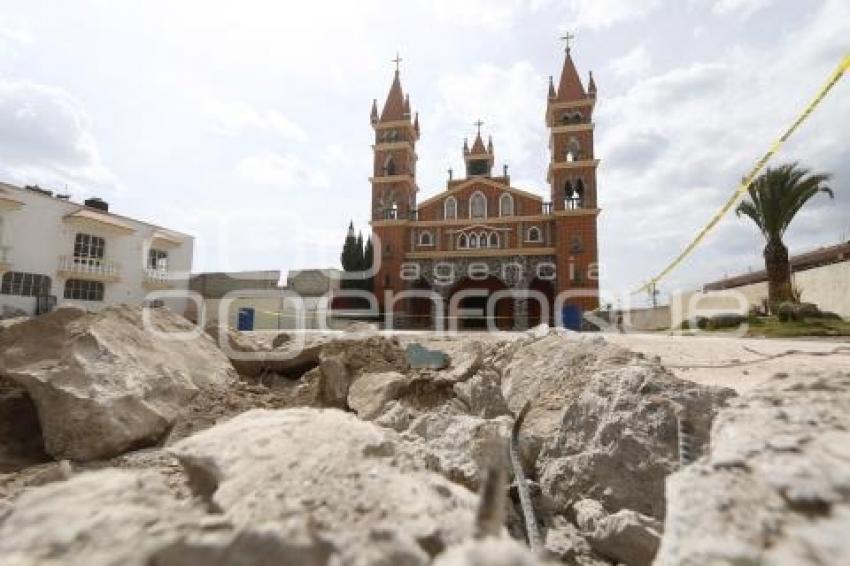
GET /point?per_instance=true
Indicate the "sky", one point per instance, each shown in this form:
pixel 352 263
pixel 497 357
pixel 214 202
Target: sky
pixel 247 124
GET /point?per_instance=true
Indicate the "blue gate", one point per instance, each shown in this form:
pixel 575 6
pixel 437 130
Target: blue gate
pixel 571 317
pixel 245 319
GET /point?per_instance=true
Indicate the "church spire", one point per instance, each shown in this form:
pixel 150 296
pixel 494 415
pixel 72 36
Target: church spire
pixel 569 87
pixel 397 105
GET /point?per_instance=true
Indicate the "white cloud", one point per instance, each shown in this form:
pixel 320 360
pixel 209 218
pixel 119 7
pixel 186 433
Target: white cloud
pixel 490 15
pixel 742 8
pixel 47 139
pixel 597 14
pixel 283 171
pixel 635 63
pixel 509 101
pixel 232 118
pixel 674 146
pixel 11 35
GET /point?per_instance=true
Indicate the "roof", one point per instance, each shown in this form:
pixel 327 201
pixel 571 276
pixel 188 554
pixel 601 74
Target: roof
pixel 485 180
pixel 570 87
pixel 22 191
pixel 478 145
pixel 394 106
pixel 801 262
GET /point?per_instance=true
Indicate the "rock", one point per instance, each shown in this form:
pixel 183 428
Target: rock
pixel 482 394
pixel 369 395
pixel 625 537
pixel 488 552
pixel 551 372
pixel 460 442
pixel 281 339
pixel 775 487
pixel 419 357
pixel 365 488
pixel 99 518
pixel 565 542
pixel 361 328
pixel 617 439
pixel 104 383
pixel 21 443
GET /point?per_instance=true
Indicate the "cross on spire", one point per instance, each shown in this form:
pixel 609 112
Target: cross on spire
pixel 479 123
pixel 397 61
pixel 567 38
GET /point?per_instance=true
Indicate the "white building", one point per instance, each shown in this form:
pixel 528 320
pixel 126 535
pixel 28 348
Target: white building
pixel 53 251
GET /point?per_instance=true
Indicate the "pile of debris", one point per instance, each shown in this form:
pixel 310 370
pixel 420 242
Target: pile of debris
pixel 362 448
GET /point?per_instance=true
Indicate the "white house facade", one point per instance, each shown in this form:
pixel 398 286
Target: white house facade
pixel 57 252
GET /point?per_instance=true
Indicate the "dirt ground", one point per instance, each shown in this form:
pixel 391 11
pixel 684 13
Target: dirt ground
pixel 728 350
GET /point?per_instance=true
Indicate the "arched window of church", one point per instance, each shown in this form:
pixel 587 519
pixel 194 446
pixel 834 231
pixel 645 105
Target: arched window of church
pixel 566 118
pixel 506 205
pixel 425 239
pixel 534 235
pixel 482 240
pixel 494 240
pixel 462 241
pixel 478 206
pixel 450 208
pixel 577 118
pixel 579 194
pixel 389 166
pixel 473 241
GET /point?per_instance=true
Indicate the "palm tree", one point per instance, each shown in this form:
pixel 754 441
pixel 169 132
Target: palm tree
pixel 776 196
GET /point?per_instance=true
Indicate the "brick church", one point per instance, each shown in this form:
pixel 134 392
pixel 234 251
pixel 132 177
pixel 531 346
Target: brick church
pixel 482 247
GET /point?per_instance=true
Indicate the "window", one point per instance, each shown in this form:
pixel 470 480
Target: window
pixel 573 150
pixel 473 241
pixel 425 239
pixel 81 290
pixel 389 166
pixel 158 260
pixel 478 167
pixel 462 241
pixel 574 196
pixel 478 206
pixel 25 284
pixel 506 205
pixel 450 208
pixel 534 235
pixel 494 240
pixel 88 249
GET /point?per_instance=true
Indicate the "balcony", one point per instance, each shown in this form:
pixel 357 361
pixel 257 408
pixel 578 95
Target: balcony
pixel 157 279
pixel 5 264
pixel 89 268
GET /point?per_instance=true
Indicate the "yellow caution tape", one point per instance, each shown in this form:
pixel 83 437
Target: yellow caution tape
pixel 748 180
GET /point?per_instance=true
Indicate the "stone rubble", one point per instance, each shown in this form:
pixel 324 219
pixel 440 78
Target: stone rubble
pixel 345 452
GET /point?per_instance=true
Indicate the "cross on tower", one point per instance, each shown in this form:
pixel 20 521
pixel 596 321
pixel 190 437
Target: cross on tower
pixel 568 37
pixel 397 61
pixel 479 123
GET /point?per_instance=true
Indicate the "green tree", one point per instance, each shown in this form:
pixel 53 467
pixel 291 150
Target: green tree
pixel 775 197
pixel 352 252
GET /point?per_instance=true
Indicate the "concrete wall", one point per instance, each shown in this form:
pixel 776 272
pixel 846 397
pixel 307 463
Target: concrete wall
pixel 827 286
pixel 37 233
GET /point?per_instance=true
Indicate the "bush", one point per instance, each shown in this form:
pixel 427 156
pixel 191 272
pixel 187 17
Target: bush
pixel 797 312
pixel 726 320
pixel 700 322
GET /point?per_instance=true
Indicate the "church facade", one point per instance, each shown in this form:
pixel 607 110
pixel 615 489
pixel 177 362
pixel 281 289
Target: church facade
pixel 482 249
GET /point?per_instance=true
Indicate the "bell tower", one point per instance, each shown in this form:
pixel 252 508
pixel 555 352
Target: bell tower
pixel 393 182
pixel 394 168
pixel 572 179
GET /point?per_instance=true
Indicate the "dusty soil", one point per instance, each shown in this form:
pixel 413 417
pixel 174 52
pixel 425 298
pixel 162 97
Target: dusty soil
pixel 728 350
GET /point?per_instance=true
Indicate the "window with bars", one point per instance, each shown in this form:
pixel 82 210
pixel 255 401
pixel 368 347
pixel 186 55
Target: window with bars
pixel 82 290
pixel 158 260
pixel 88 248
pixel 25 284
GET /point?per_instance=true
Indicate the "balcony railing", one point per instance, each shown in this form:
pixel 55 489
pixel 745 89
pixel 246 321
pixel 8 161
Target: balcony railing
pixel 90 268
pixel 159 278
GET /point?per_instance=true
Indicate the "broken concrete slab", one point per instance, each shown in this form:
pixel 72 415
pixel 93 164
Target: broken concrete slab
pixel 107 382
